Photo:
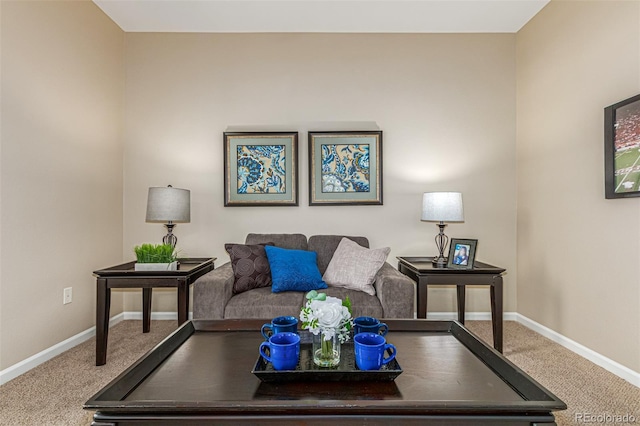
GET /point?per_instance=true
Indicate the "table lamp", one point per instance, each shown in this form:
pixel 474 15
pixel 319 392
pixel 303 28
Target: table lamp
pixel 170 205
pixel 442 207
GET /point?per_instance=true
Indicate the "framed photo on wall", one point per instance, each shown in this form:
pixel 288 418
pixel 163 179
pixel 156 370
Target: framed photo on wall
pixel 345 168
pixel 260 169
pixel 462 253
pixel 622 149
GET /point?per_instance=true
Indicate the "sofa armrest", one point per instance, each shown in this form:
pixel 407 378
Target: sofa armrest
pixel 396 291
pixel 212 292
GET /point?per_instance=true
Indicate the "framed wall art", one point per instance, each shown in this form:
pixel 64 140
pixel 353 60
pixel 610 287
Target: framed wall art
pixel 345 168
pixel 622 149
pixel 462 253
pixel 260 169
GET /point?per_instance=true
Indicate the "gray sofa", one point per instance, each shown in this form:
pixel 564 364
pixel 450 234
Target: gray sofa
pixel 213 297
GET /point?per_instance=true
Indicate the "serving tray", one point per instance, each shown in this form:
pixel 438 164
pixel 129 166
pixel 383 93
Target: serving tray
pixel 307 371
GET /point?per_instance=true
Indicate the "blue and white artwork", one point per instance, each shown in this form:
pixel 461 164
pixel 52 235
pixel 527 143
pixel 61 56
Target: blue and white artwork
pixel 261 169
pixel 345 168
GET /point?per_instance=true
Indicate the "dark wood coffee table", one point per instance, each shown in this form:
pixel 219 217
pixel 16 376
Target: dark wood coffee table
pixel 201 374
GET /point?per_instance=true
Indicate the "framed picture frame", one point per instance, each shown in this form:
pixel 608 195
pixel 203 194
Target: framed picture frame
pixel 462 253
pixel 622 149
pixel 260 169
pixel 345 168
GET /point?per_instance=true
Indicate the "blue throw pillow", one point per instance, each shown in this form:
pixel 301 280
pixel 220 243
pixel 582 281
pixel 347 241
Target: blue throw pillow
pixel 293 270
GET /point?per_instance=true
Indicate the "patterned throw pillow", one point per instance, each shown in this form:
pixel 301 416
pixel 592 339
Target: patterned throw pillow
pixel 294 270
pixel 250 266
pixel 355 267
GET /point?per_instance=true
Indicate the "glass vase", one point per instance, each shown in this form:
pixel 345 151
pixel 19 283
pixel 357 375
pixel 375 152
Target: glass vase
pixel 326 353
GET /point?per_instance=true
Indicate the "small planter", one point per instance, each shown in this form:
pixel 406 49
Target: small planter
pixel 173 266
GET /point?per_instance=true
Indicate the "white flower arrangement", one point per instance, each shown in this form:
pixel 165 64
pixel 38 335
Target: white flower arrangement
pixel 327 315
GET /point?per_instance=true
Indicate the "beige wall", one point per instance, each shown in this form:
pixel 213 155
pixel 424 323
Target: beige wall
pixel 578 256
pixel 61 175
pixel 446 104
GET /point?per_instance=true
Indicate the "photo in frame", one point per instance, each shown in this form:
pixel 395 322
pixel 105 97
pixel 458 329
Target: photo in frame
pixel 462 253
pixel 345 168
pixel 260 169
pixel 622 149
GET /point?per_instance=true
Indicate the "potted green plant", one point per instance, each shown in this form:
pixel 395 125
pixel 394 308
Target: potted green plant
pixel 152 257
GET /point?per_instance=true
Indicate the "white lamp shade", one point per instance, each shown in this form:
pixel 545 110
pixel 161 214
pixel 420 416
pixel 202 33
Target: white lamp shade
pixel 442 207
pixel 166 204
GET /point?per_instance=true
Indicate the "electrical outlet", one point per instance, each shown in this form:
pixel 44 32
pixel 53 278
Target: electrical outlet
pixel 67 296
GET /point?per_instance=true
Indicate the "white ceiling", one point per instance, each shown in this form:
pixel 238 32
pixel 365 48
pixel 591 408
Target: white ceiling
pixel 350 16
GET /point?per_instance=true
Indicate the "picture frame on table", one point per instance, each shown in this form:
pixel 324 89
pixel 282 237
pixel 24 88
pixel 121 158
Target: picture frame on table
pixel 345 168
pixel 260 169
pixel 462 253
pixel 622 149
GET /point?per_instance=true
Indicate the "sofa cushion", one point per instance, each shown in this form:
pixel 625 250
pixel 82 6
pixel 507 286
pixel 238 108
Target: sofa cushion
pixel 262 303
pixel 326 245
pixel 354 266
pixel 362 304
pixel 293 270
pixel 250 266
pixel 288 241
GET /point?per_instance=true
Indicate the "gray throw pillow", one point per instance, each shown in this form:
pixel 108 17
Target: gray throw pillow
pixel 355 267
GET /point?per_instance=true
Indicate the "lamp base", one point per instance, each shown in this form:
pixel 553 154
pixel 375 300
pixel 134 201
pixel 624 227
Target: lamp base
pixel 170 238
pixel 441 242
pixel 439 262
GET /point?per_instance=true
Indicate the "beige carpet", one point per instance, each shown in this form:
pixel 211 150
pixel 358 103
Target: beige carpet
pixel 585 387
pixel 53 393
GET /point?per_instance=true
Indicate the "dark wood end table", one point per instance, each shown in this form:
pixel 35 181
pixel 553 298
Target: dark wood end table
pixel 423 272
pixel 125 276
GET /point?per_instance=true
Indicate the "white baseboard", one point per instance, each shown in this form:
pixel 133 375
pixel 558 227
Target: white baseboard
pixel 471 316
pixel 608 364
pixel 22 367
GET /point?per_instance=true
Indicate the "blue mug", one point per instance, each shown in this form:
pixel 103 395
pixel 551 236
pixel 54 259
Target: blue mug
pixel 369 325
pixel 284 350
pixel 284 324
pixel 370 349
